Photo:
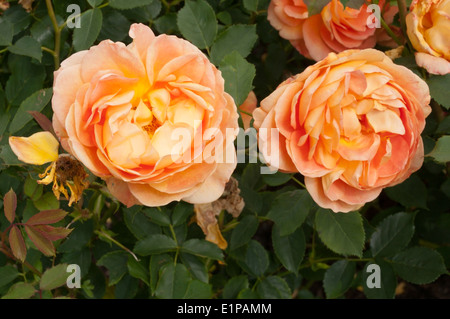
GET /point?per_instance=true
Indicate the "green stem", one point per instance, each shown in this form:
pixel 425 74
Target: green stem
pixel 48 50
pixel 102 234
pixel 3 50
pixel 57 30
pixel 298 182
pixel 390 32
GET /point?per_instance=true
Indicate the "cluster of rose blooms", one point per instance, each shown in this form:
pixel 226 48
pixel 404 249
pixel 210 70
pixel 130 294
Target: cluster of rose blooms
pixel 350 124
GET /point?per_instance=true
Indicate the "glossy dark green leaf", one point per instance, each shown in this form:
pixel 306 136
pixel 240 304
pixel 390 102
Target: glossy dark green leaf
pixel 126 288
pixel 155 244
pixel 343 233
pixel 137 270
pixel 439 85
pixel 7 274
pixel 90 26
pixel 290 209
pixel 239 38
pixel 392 234
pixel 273 287
pixel 79 237
pixel 198 290
pixel 256 258
pixel 418 265
pixel 173 281
pixel 202 248
pixel 6 35
pixel 243 232
pixel 197 23
pixel 338 278
pixel 157 216
pixel 196 266
pixel 116 263
pixel 35 102
pixel 234 286
pixel 388 281
pixel 238 75
pixel 289 249
pixel 27 46
pixel 441 152
pixel 411 193
pixel 156 263
pixel 139 224
pixel 129 4
pixel 181 212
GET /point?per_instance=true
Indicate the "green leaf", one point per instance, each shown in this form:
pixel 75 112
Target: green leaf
pixel 411 193
pixel 27 46
pixel 137 270
pixel 19 18
pixel 167 23
pixel 315 6
pixel 26 78
pixel 256 258
pixel 156 263
pixel 343 233
pixel 79 237
pixel 240 38
pixel 251 5
pixel 196 266
pixel 20 290
pixel 156 216
pixel 32 189
pixel 418 265
pixel 116 263
pixel 181 212
pixel 290 209
pixel 54 277
pixel 7 274
pixel 392 234
pixel 338 278
pixel 17 243
pixel 91 24
pixel 388 282
pixel 276 179
pixel 6 35
pixel 139 224
pixel 234 286
pixel 35 102
pixel 238 75
pixel 273 287
pixel 47 201
pixel 129 4
pixel 82 257
pixel 155 244
pixel 173 281
pixel 439 91
pixel 95 3
pixel 243 232
pixel 115 26
pixel 198 290
pixel 289 249
pixel 197 23
pixel 441 151
pixel 126 288
pixel 44 245
pixel 202 248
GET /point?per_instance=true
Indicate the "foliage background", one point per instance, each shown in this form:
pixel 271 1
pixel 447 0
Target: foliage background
pixel 281 246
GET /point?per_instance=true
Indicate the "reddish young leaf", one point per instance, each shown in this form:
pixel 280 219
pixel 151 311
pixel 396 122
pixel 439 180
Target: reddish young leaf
pixel 41 243
pixel 46 217
pixel 53 233
pixel 18 247
pixel 10 205
pixel 43 121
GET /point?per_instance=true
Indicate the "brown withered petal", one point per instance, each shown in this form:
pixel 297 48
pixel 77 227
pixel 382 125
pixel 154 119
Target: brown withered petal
pixel 206 214
pixel 17 244
pixel 26 4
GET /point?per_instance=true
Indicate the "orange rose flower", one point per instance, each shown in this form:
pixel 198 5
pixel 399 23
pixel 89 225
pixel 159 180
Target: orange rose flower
pixel 335 29
pixel 428 28
pixel 350 124
pixel 121 109
pixel 247 108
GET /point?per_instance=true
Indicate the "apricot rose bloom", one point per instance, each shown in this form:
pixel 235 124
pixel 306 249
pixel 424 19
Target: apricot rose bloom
pixel 122 111
pixel 335 29
pixel 350 124
pixel 428 28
